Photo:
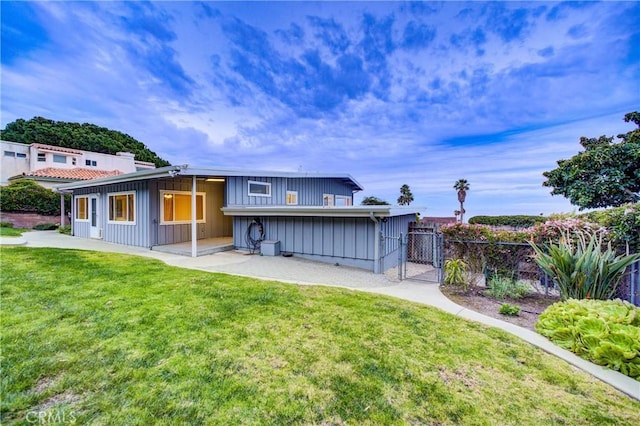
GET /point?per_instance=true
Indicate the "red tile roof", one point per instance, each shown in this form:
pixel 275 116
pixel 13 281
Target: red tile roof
pixel 43 147
pixel 73 174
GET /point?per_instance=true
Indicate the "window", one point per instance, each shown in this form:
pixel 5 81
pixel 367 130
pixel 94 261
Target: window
pixel 122 207
pixel 176 207
pixel 42 157
pixel 343 200
pixel 327 200
pixel 57 158
pixel 259 189
pixel 82 211
pixel 9 154
pixel 292 198
pixel 92 163
pixel 21 155
pixel 74 161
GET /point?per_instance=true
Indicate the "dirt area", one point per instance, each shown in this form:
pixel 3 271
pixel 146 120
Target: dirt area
pixel 530 306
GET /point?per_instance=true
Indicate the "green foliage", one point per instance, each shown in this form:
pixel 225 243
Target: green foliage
pixel 373 201
pixel 514 221
pixel 406 197
pixel 45 226
pixel 66 229
pixel 455 274
pixel 6 225
pixel 583 267
pixel 88 137
pixel 605 332
pixel 503 288
pixel 509 310
pixel 606 173
pixel 623 223
pixel 26 196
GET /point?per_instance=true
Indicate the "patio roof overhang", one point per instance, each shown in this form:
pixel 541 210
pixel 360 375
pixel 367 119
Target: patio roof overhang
pixel 186 171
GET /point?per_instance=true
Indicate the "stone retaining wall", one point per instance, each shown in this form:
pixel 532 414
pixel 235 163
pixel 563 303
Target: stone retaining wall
pixel 28 220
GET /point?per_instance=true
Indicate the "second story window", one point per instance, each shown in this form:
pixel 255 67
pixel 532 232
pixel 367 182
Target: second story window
pixel 42 157
pixel 57 158
pixel 259 189
pixel 91 163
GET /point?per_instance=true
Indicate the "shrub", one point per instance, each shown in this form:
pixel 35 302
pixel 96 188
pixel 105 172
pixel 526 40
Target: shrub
pixel 514 221
pixel 6 225
pixel 503 287
pixel 45 226
pixel 27 196
pixel 583 269
pixel 510 310
pixel 66 229
pixel 623 223
pixel 455 273
pixel 604 332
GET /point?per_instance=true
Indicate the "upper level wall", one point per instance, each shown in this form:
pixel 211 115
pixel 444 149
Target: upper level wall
pixel 310 190
pixel 19 158
pixel 15 160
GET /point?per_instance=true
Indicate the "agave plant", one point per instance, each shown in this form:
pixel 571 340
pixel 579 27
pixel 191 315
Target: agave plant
pixel 583 267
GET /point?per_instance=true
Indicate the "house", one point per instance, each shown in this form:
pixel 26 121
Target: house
pixel 309 215
pixel 51 165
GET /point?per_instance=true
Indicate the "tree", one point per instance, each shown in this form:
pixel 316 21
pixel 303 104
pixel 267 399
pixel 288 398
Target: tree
pixel 606 173
pixel 406 197
pixel 462 186
pixel 373 201
pixel 87 137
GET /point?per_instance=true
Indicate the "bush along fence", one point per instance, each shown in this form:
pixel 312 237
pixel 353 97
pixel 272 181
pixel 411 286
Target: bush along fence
pixel 600 269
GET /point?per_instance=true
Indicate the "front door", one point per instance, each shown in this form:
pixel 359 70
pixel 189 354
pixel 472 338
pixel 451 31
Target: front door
pixel 94 217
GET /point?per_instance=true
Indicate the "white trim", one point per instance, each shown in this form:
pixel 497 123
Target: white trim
pixel 350 211
pixel 255 182
pixel 163 192
pixel 348 201
pixel 294 193
pixel 75 208
pixel 330 201
pixel 121 222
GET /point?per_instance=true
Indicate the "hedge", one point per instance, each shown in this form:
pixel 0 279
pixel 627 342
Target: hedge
pixel 515 221
pixel 26 196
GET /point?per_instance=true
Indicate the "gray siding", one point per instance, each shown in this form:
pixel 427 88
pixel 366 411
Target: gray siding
pixel 348 241
pixel 131 235
pixel 310 190
pixel 391 228
pixel 216 225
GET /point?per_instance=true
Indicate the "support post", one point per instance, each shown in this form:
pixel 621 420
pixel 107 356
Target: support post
pixel 194 224
pixel 400 257
pixel 62 221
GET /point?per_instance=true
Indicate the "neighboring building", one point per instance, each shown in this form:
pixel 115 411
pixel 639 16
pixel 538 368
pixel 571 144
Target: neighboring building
pixel 309 215
pixel 51 165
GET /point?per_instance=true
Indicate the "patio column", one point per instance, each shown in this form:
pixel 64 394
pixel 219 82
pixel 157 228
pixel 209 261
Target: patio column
pixel 62 209
pixel 194 229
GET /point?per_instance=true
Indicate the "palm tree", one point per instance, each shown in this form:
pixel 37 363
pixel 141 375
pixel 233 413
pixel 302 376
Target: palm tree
pixel 406 197
pixel 462 186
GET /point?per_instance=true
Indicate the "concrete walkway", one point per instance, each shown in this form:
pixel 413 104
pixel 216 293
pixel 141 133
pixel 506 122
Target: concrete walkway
pixel 303 272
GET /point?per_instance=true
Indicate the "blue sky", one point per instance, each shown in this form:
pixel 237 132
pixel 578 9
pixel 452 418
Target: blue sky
pixel 390 92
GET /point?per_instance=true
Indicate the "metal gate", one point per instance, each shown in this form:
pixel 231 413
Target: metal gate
pixel 423 257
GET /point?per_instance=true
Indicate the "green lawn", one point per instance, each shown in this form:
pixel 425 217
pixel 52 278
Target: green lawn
pixel 114 339
pixel 11 232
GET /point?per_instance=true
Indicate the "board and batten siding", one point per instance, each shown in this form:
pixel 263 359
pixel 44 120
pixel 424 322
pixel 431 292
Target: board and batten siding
pixel 136 234
pixel 348 241
pixel 391 228
pixel 310 190
pixel 216 223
